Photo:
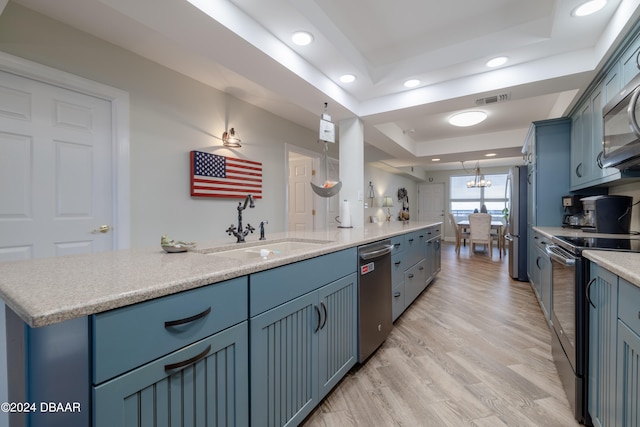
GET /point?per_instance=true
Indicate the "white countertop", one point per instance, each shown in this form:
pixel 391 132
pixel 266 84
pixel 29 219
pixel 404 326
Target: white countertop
pixel 51 290
pixel 623 264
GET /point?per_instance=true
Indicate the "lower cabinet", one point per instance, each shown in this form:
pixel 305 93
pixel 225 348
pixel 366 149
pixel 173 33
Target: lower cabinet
pixel 614 350
pixel 300 350
pixel 603 319
pixel 204 384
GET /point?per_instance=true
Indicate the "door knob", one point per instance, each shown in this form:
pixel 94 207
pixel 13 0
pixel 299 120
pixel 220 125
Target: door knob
pixel 102 229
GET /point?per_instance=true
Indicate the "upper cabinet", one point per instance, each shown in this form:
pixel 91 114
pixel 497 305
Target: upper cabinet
pixel 586 120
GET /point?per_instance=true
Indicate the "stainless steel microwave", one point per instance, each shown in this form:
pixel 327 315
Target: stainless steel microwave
pixel 621 130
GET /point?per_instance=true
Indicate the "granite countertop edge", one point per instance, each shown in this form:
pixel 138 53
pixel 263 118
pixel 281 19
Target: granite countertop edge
pixel 47 291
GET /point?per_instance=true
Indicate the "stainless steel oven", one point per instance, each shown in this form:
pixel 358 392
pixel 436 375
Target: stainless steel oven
pixel 568 311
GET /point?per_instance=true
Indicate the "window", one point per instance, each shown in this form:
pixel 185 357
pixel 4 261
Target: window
pixel 465 200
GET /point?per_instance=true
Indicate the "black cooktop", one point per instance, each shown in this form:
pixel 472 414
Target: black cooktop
pixel 602 243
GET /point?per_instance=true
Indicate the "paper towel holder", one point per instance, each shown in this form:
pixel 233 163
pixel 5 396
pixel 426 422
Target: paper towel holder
pixel 338 220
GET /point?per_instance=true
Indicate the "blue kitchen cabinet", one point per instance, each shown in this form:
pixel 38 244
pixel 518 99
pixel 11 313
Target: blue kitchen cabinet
pixel 300 350
pixel 433 252
pixel 203 384
pixel 414 267
pixel 397 276
pixel 541 278
pixel 603 318
pixel 628 367
pixel 629 62
pixel 548 172
pixel 176 360
pixel 303 335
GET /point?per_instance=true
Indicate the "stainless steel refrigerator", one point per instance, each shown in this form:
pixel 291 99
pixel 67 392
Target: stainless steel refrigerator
pixel 516 195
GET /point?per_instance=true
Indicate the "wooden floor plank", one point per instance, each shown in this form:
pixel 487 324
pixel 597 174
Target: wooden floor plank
pixel 473 350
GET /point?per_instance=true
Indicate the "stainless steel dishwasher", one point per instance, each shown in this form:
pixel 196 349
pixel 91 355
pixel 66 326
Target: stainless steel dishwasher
pixel 374 297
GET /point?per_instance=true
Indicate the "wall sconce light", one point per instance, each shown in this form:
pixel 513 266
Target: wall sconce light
pixel 387 202
pixel 229 139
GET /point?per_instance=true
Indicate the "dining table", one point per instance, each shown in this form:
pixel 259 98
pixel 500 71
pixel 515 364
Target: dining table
pixel 495 225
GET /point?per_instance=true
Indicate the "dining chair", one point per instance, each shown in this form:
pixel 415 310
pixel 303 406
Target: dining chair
pixel 497 234
pixel 460 235
pixel 480 231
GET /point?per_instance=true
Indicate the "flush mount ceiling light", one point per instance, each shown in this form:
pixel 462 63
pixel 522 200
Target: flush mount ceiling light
pixel 588 8
pixel 412 83
pixel 496 62
pixel 347 78
pixel 302 38
pixel 229 139
pixel 467 118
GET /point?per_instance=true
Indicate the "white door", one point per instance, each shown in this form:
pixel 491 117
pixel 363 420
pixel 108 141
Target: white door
pixel 431 202
pixel 301 212
pixel 56 180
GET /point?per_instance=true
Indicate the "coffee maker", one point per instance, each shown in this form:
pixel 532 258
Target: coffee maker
pixel 572 215
pixel 607 214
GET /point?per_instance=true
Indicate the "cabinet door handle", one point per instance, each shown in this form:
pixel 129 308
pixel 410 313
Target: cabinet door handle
pixel 324 308
pixel 410 276
pixel 411 240
pixel 191 361
pixel 396 294
pixel 193 318
pixel 579 170
pixel 319 318
pixel 587 291
pixel 421 268
pixel 599 160
pixel 397 263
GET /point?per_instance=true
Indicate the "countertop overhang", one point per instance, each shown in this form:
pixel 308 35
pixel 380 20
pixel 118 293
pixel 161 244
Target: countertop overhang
pixel 51 290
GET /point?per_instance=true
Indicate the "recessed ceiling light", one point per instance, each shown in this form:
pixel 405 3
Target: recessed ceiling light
pixel 412 83
pixel 490 155
pixel 589 7
pixel 347 78
pixel 496 62
pixel 467 118
pixel 435 160
pixel 302 38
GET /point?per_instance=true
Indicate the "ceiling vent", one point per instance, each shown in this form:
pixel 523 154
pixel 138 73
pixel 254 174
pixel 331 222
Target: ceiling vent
pixel 494 99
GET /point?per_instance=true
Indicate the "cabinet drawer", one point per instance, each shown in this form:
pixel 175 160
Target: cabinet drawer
pixel 270 288
pixel 415 280
pixel 398 244
pixel 129 337
pixel 398 265
pixel 629 305
pixel 415 248
pixel 397 301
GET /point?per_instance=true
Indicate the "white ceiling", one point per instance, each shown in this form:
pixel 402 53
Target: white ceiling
pixel 243 47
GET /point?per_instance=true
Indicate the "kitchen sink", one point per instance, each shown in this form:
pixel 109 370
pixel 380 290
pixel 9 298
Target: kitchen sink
pixel 264 249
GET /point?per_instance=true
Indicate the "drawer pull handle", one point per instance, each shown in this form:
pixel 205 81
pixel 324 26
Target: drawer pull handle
pixel 397 245
pixel 410 240
pixel 187 319
pixel 191 361
pixel 411 276
pixel 396 294
pixel 319 318
pixel 324 308
pixel 587 291
pixel 421 268
pixel 397 263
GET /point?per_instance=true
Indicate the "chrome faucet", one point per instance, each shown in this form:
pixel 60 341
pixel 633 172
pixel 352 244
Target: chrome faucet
pixel 239 233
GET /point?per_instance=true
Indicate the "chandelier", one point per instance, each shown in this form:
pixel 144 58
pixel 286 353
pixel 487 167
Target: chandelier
pixel 478 180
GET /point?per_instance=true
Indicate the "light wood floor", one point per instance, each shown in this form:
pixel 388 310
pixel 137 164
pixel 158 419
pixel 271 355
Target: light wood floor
pixel 472 350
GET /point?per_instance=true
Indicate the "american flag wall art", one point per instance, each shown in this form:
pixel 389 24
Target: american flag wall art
pixel 220 176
